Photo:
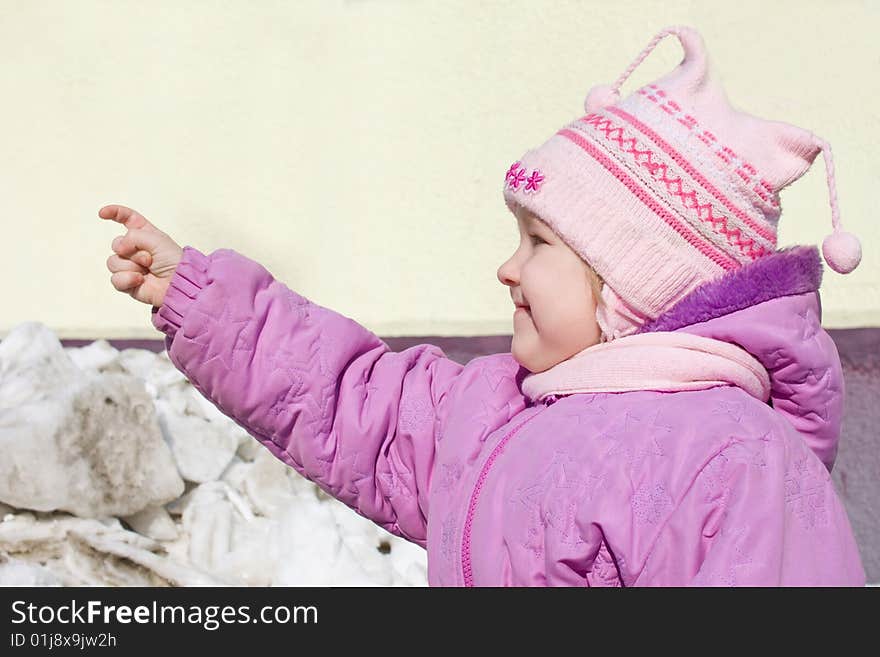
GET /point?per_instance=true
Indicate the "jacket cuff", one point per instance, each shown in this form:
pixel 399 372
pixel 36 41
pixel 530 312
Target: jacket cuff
pixel 190 276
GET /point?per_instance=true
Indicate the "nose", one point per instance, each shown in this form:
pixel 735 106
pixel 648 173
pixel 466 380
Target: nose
pixel 507 273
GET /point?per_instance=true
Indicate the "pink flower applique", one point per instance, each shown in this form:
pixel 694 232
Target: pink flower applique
pixel 534 182
pixel 515 175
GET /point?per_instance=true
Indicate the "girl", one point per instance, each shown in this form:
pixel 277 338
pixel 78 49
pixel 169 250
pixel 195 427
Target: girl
pixel 670 408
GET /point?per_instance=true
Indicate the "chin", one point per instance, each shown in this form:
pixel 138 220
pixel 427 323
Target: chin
pixel 524 364
pixel 531 363
pixel 519 357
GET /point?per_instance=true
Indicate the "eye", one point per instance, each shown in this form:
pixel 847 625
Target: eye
pixel 537 240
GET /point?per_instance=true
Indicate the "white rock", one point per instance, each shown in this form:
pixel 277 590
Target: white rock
pixel 362 537
pixel 319 552
pixel 94 356
pixel 165 374
pixel 154 522
pixel 138 362
pixel 311 546
pixel 235 473
pixel 408 562
pixel 174 398
pixel 178 506
pixel 80 442
pixel 208 521
pixel 222 540
pixel 16 572
pixel 202 452
pixel 33 369
pixel 267 484
pixel 249 448
pixel 167 569
pixel 199 406
pixel 86 552
pixel 254 556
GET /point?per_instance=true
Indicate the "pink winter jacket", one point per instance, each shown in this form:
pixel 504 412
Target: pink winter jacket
pixel 646 488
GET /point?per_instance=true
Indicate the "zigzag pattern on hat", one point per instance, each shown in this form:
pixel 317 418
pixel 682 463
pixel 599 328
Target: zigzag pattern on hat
pixel 750 240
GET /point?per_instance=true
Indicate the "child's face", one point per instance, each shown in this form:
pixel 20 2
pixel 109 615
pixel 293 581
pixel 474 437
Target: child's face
pixel 548 276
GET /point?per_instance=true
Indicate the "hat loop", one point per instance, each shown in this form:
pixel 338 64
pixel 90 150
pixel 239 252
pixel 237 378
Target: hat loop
pixel 603 95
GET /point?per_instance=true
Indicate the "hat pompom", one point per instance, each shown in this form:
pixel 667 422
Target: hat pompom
pixel 600 96
pixel 842 251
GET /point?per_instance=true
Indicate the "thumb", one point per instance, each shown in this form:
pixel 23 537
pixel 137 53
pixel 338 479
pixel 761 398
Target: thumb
pixel 137 239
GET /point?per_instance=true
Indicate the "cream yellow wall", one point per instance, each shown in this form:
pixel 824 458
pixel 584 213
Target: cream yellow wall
pixel 357 149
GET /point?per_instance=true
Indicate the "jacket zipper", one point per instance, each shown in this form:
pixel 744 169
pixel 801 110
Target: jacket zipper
pixel 466 569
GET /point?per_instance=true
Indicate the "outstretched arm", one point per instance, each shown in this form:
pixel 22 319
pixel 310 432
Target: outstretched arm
pixel 321 392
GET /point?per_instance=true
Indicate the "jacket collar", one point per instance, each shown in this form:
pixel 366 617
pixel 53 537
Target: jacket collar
pixel 789 271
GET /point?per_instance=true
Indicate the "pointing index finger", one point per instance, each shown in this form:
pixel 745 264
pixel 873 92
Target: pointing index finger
pixel 125 216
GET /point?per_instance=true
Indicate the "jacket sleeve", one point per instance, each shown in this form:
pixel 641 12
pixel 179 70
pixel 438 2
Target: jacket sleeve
pixel 321 392
pixel 755 517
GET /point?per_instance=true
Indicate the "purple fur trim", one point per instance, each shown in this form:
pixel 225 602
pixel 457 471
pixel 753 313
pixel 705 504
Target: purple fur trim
pixel 794 270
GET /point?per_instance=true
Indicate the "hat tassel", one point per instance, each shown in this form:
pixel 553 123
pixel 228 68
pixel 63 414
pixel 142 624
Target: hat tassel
pixel 841 249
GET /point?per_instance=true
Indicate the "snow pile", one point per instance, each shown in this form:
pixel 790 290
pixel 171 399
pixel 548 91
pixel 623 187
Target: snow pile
pixel 116 471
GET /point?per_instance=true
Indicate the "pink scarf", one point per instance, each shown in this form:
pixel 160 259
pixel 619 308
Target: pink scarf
pixel 663 361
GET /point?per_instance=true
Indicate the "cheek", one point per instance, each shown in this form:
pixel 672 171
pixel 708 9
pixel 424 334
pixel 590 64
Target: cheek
pixel 538 273
pixel 568 300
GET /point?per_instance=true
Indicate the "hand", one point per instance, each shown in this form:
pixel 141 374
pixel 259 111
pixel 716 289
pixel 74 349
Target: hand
pixel 145 258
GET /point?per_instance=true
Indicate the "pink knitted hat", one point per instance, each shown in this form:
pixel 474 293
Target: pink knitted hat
pixel 670 187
